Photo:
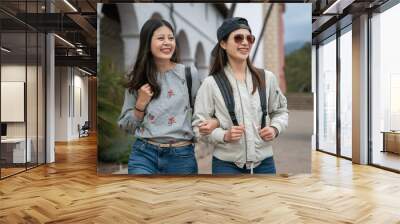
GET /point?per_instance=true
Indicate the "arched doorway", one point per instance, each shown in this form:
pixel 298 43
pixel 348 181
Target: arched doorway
pixel 129 33
pixel 184 48
pixel 200 60
pixel 156 15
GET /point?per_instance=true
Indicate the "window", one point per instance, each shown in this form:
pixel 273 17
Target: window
pixel 385 86
pixel 346 92
pixel 22 68
pixel 327 95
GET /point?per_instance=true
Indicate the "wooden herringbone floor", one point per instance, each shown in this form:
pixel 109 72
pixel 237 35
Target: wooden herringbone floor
pixel 69 191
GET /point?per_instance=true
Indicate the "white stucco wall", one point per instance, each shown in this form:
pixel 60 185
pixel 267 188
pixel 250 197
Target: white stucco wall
pixel 197 21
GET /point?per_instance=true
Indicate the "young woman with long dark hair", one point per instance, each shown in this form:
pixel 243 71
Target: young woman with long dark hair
pixel 157 107
pixel 247 101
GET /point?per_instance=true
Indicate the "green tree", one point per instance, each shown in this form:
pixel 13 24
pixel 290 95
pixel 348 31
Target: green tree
pixel 298 69
pixel 113 143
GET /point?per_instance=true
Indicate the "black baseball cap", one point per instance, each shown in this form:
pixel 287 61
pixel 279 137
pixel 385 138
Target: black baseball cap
pixel 230 25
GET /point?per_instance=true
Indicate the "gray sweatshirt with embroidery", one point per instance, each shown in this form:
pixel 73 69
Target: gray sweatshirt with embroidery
pixel 168 119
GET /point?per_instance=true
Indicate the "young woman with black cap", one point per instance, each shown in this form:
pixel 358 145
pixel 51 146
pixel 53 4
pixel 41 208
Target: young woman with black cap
pixel 157 108
pixel 247 101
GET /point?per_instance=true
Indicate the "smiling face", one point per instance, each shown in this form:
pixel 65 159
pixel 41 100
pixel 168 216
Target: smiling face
pixel 238 46
pixel 163 43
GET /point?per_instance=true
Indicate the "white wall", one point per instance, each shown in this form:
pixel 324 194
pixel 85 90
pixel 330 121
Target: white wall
pixel 61 103
pixel 70 83
pixel 16 73
pixel 199 22
pixel 80 93
pixel 33 126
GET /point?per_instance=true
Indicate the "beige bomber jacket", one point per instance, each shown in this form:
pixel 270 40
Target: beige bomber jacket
pixel 251 148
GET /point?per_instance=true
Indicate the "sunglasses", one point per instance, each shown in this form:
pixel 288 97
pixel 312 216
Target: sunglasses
pixel 238 38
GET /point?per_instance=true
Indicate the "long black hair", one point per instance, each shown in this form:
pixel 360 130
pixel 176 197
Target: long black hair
pixel 145 70
pixel 220 59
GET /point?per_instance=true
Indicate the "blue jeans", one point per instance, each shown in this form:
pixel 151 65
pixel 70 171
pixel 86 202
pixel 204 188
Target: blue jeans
pixel 267 166
pixel 146 158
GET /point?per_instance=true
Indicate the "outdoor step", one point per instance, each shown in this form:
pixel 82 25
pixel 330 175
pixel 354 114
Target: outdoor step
pixel 300 101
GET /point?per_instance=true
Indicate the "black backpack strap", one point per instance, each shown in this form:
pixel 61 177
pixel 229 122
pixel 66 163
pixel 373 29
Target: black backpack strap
pixel 263 97
pixel 188 76
pixel 227 93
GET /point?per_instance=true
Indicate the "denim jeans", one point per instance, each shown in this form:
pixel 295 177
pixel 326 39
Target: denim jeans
pixel 267 166
pixel 146 158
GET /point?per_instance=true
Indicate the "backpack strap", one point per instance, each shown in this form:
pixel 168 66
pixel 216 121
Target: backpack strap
pixel 263 97
pixel 188 76
pixel 227 93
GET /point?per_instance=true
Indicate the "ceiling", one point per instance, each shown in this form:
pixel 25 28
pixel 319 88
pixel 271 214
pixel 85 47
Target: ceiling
pixel 328 15
pixel 74 21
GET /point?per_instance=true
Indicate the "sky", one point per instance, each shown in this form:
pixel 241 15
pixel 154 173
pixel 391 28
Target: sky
pixel 253 13
pixel 297 22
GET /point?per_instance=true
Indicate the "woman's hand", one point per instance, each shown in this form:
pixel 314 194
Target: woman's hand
pixel 267 133
pixel 234 134
pixel 145 93
pixel 206 127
